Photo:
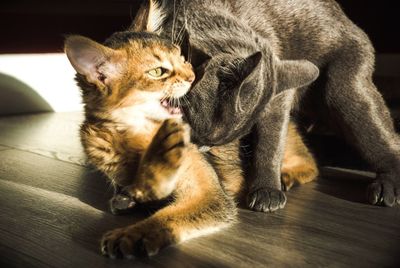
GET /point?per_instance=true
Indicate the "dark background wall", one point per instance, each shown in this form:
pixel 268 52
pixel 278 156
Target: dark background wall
pixel 39 26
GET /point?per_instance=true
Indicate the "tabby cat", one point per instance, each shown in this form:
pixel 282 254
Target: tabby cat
pixel 134 134
pixel 132 131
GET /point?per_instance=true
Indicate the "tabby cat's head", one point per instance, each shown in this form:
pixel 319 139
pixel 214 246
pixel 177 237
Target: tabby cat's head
pixel 135 70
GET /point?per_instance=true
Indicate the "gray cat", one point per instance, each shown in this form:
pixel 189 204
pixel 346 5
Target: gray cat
pixel 256 59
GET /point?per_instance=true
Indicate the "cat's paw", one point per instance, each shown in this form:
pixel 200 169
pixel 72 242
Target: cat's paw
pixel 384 191
pixel 169 144
pixel 287 181
pixel 136 241
pixel 156 178
pixel 266 200
pixel 298 174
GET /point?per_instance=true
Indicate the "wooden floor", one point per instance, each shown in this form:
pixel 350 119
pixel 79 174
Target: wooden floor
pixel 54 211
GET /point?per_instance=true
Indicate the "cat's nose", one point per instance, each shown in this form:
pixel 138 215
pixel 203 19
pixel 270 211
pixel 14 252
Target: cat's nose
pixel 190 79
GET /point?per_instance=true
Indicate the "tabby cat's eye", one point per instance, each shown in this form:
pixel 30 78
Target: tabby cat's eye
pixel 158 72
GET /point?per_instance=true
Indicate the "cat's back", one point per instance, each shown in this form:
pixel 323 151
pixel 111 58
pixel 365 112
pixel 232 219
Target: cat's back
pixel 297 29
pixel 305 28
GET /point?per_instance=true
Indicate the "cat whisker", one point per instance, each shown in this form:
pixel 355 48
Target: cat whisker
pixel 186 102
pixel 181 33
pixel 179 103
pixel 173 23
pixel 180 36
pixel 187 28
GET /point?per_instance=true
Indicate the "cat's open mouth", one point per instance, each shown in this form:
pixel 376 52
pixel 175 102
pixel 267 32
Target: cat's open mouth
pixel 171 106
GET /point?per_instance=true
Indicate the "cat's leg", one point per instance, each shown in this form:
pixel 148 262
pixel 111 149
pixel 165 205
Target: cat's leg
pixel 354 102
pixel 107 150
pixel 159 167
pixel 265 189
pixel 298 165
pixel 228 165
pixel 156 174
pixel 200 206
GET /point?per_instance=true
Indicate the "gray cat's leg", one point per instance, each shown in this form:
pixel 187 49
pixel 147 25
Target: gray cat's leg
pixel 353 100
pixel 265 190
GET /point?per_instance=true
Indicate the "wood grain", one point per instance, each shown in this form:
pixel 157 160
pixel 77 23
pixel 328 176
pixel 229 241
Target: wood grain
pixel 55 135
pixel 3 148
pixel 53 213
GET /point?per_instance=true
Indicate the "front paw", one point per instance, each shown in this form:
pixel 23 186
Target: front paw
pixel 136 241
pixel 156 178
pixel 266 200
pixel 384 191
pixel 169 144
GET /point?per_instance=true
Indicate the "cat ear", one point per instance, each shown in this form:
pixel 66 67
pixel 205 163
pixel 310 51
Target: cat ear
pixel 248 65
pixel 192 49
pixel 198 57
pixel 149 18
pixel 295 74
pixel 246 71
pixel 97 63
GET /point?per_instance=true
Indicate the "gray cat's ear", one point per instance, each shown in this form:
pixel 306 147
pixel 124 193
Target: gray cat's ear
pixel 249 64
pixel 295 74
pixel 198 57
pixel 97 63
pixel 248 70
pixel 193 51
pixel 149 18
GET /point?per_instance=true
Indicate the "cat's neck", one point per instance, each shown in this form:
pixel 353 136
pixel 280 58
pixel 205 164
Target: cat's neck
pixel 126 119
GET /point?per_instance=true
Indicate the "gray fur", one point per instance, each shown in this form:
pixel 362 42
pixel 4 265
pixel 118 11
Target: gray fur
pixel 293 37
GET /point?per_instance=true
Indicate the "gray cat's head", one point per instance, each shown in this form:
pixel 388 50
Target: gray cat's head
pixel 231 91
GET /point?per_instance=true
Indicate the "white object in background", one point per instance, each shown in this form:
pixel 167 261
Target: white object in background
pixel 50 75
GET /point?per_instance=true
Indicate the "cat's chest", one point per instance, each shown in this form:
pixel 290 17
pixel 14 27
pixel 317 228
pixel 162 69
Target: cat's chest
pixel 136 121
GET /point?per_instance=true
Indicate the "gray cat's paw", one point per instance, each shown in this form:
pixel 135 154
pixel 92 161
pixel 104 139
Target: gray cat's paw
pixel 121 203
pixel 266 200
pixel 384 192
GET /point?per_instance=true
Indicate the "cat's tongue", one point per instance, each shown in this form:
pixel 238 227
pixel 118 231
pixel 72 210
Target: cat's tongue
pixel 171 109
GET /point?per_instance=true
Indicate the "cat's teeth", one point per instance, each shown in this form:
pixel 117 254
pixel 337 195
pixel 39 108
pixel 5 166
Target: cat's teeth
pixel 176 110
pixel 164 103
pixel 172 110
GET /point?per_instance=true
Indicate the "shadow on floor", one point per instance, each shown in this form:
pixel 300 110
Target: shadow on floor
pixel 350 185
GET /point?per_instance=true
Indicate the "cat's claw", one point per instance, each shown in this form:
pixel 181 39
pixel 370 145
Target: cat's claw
pixel 384 192
pixel 266 200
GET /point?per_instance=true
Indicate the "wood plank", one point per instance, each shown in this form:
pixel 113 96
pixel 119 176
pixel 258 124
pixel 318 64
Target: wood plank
pixel 54 212
pixel 52 228
pixel 56 176
pixel 2 148
pixel 54 135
